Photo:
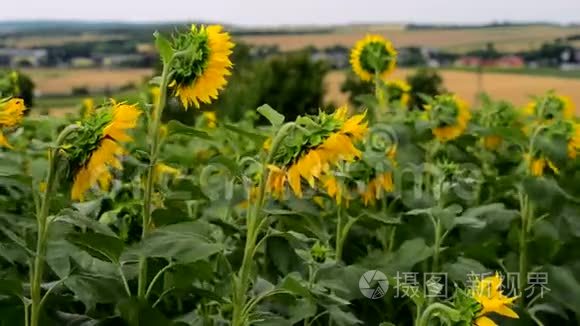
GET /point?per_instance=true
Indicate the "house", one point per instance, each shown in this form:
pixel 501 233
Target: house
pixel 337 57
pixel 16 58
pixel 124 60
pixel 507 61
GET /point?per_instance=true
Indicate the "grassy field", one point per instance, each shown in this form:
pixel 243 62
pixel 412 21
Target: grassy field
pixel 459 40
pixel 54 84
pixel 515 88
pixel 60 81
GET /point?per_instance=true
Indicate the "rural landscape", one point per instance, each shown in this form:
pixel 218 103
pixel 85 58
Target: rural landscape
pixel 206 173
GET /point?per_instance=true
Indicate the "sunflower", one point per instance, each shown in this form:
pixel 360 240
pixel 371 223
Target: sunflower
pixel 399 91
pixel 210 119
pixel 450 116
pixel 488 294
pixel 87 107
pixel 574 141
pixel 381 183
pixel 492 142
pixel 312 161
pixel 199 77
pixel 335 189
pixel 102 134
pixel 551 107
pixel 537 165
pixel 11 115
pixel 373 55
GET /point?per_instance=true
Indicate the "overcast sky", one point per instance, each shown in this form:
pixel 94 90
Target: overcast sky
pixel 297 12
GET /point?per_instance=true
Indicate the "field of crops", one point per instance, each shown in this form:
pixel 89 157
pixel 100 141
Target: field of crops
pixel 509 39
pixel 408 209
pixel 515 88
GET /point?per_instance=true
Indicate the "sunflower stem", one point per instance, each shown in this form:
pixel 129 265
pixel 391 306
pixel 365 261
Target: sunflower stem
pixel 154 135
pixel 42 225
pixel 339 240
pixel 526 214
pixel 436 307
pixel 253 226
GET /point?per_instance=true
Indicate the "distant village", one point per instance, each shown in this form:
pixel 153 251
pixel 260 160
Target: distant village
pixel 106 54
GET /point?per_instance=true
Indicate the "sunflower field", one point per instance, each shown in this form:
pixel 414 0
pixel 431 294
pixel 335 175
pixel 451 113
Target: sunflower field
pixel 383 214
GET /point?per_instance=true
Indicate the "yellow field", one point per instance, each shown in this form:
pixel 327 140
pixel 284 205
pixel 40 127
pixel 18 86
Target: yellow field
pixel 504 38
pixel 514 88
pixel 61 81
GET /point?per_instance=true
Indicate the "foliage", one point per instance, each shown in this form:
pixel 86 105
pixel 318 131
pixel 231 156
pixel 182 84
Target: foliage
pixel 426 82
pixel 17 84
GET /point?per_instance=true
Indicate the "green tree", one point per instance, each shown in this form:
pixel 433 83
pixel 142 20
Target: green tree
pixel 16 84
pixel 424 82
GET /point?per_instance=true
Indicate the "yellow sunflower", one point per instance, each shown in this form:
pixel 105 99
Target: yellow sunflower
pixel 338 146
pixel 537 165
pixel 450 114
pixel 87 107
pixel 400 91
pixel 381 183
pixel 574 141
pixel 373 55
pixel 95 169
pixel 199 78
pixel 162 170
pixel 492 142
pixel 313 162
pixel 11 115
pixel 488 294
pixel 210 118
pixel 335 189
pixel 551 107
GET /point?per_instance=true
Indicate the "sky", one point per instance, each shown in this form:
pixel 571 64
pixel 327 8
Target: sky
pixel 297 12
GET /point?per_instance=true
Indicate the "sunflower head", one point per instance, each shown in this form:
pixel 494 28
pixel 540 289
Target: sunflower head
pixel 87 107
pixel 487 292
pixel 398 91
pixel 551 107
pixel 373 55
pixel 11 115
pixel 96 146
pixel 496 117
pixel 449 116
pixel 201 64
pixel 210 119
pixel 322 142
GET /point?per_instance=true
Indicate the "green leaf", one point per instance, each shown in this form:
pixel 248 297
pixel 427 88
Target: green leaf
pixel 11 288
pixel 564 287
pixel 166 216
pixel 255 137
pixel 175 127
pixel 341 317
pixel 460 270
pixel 163 46
pixel 92 289
pixel 275 118
pixel 139 313
pixel 184 242
pixel 98 245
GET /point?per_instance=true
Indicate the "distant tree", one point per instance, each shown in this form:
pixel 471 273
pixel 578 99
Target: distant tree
pixel 17 84
pixel 354 87
pixel 425 81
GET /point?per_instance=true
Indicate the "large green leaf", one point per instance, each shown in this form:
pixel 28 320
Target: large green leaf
pixel 136 312
pixel 92 289
pixel 98 245
pixel 184 242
